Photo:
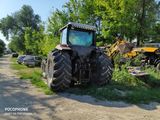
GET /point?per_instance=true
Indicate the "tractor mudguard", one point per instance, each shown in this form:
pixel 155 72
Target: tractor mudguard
pixel 63 47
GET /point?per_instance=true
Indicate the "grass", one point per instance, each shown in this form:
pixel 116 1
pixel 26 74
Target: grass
pixel 32 74
pixel 124 87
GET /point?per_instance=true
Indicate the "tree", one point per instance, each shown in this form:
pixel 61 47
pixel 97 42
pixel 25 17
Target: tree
pixel 16 44
pixel 113 18
pixel 48 43
pixel 13 26
pixel 131 18
pixel 156 33
pixel 33 39
pixel 2 47
pixel 57 20
pixel 146 18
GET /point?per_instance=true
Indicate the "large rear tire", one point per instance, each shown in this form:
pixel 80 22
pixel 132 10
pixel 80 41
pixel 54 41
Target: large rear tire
pixel 59 70
pixel 104 70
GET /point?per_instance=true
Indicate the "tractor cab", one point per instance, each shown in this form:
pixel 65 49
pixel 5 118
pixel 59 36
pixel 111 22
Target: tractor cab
pixel 75 34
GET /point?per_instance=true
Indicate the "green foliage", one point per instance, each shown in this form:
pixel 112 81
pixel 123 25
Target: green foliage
pixel 122 76
pixel 2 47
pixel 16 44
pixel 33 39
pixel 13 26
pixel 136 61
pixel 117 59
pixel 154 77
pixel 81 11
pixel 7 25
pixel 125 87
pixel 156 33
pixel 57 20
pixel 131 18
pixel 153 72
pixel 48 44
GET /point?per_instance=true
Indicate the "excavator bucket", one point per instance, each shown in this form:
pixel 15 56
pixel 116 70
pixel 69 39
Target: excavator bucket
pixel 125 48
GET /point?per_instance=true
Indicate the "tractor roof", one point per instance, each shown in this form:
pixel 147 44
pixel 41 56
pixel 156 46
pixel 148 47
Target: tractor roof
pixel 80 26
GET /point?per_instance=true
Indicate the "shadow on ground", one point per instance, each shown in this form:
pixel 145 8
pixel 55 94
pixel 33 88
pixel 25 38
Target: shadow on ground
pixel 116 104
pixel 15 93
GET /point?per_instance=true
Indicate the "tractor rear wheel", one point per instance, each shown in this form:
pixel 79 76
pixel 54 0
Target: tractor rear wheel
pixel 104 70
pixel 59 70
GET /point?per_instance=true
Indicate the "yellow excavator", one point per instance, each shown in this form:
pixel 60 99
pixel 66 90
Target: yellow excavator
pixel 152 54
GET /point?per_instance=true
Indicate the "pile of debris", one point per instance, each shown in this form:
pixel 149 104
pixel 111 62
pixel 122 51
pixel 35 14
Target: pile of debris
pixel 136 71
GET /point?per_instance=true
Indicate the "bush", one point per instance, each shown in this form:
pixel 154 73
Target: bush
pixel 137 61
pixel 122 76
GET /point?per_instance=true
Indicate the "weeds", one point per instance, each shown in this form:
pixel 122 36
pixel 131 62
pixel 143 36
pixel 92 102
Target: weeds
pixel 125 87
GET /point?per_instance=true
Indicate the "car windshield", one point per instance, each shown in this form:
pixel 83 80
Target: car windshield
pixel 28 57
pixel 82 38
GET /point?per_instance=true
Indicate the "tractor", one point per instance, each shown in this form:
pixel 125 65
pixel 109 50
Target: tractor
pixel 77 60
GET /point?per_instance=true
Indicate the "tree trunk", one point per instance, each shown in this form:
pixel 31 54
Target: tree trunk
pixel 140 34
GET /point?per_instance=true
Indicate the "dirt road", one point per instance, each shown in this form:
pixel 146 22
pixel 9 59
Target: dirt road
pixel 16 94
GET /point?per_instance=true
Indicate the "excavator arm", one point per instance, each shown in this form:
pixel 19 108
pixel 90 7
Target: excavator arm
pixel 120 46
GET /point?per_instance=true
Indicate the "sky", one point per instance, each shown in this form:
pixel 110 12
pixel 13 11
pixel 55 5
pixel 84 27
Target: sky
pixel 41 7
